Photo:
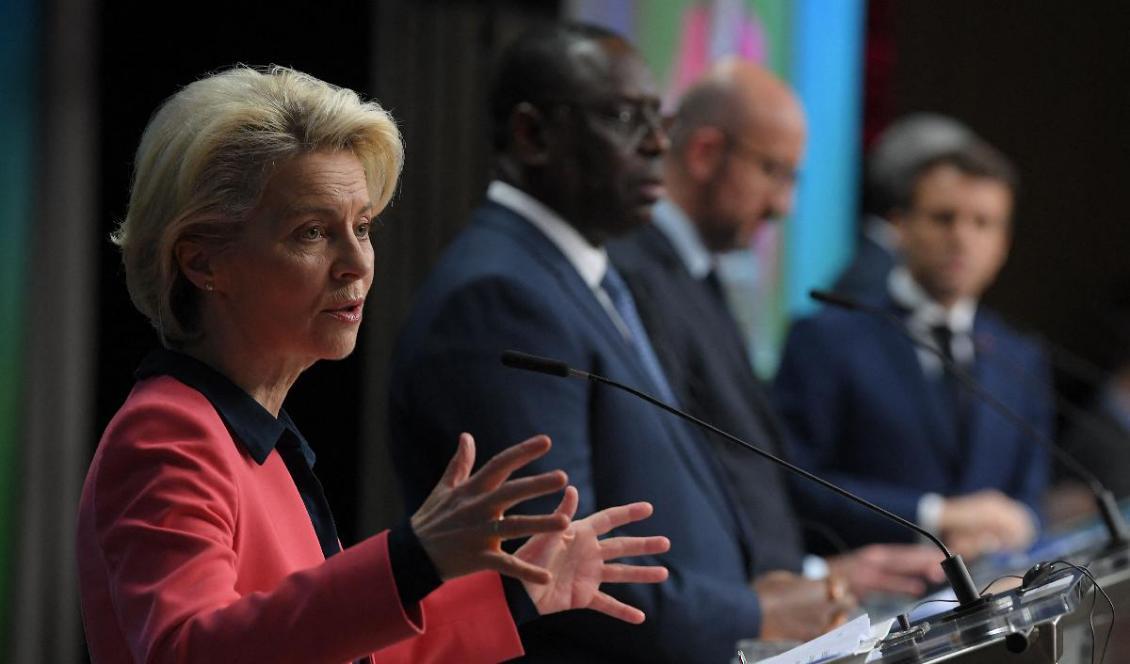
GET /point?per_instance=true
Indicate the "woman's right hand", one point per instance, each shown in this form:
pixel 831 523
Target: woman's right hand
pixel 460 525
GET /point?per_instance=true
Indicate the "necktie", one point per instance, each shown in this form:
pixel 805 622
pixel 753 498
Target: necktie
pixel 957 404
pixel 625 305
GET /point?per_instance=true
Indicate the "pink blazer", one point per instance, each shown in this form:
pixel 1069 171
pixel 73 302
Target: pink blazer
pixel 189 551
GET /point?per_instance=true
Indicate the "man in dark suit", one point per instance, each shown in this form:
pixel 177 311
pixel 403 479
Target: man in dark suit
pixel 736 141
pixel 895 158
pixel 881 417
pixel 578 141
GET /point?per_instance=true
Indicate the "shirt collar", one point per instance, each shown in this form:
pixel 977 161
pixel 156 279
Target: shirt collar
pixel 677 227
pixel 589 261
pixel 251 424
pixel 924 311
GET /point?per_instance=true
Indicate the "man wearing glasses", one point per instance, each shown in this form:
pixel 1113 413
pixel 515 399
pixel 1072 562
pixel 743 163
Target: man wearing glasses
pixel 579 145
pixel 737 141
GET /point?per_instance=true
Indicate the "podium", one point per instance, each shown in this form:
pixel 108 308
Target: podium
pixel 1049 622
pixel 1018 626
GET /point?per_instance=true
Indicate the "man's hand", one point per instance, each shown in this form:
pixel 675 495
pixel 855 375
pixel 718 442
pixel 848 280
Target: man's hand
pixel 795 608
pixel 985 521
pixel 889 568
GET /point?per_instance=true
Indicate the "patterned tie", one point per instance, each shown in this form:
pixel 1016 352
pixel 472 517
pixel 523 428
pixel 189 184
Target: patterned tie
pixel 622 301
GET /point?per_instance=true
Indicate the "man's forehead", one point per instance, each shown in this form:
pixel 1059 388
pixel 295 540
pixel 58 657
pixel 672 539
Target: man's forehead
pixel 610 67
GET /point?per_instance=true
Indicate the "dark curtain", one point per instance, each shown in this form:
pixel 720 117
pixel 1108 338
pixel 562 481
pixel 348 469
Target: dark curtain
pixel 431 67
pixel 1046 83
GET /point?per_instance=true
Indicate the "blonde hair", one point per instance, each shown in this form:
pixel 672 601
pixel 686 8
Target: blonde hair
pixel 204 160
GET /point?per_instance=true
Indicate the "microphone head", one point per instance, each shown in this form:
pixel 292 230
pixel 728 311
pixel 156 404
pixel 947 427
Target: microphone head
pixel 519 360
pixel 834 300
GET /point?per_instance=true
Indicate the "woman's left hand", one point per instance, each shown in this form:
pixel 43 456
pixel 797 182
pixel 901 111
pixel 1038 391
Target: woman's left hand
pixel 577 560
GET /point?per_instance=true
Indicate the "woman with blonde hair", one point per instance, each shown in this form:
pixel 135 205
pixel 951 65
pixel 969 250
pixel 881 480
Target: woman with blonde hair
pixel 203 532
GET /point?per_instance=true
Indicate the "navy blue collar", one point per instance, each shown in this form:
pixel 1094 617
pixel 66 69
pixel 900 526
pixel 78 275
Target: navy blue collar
pixel 251 425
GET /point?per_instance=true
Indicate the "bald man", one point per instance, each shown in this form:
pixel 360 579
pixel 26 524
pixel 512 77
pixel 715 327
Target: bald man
pixel 736 143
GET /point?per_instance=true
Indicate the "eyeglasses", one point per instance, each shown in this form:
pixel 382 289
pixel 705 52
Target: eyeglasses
pixel 781 173
pixel 630 119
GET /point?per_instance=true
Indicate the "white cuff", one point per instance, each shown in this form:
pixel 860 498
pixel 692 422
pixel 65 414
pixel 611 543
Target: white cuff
pixel 930 507
pixel 814 568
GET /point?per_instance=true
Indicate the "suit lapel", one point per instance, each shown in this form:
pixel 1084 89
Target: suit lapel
pixel 542 248
pixel 689 444
pixel 983 420
pixel 693 444
pixel 938 424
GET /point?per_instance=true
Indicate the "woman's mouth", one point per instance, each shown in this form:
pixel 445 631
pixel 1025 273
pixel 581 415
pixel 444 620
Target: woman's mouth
pixel 350 312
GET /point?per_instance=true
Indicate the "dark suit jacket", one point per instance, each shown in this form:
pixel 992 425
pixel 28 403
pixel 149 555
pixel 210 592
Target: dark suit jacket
pixel 863 413
pixel 865 278
pixel 705 359
pixel 190 550
pixel 502 284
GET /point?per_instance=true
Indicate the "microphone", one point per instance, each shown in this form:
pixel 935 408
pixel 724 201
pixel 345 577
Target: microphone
pixel 956 572
pixel 1104 499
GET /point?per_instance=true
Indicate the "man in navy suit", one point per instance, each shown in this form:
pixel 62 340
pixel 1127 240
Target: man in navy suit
pixel 579 140
pixel 736 143
pixel 880 416
pixel 898 153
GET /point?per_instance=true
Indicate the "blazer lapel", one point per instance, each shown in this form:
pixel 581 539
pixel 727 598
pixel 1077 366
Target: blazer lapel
pixel 938 425
pixel 984 421
pixel 507 221
pixel 690 445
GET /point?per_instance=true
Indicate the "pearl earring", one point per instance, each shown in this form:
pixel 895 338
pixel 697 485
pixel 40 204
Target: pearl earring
pixel 209 286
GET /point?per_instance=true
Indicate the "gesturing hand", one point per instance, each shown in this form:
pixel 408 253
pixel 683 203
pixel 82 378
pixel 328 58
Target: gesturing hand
pixel 576 559
pixel 460 524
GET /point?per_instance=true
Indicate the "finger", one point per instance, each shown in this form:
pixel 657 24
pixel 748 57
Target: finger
pixel 614 517
pixel 912 560
pixel 495 471
pixel 518 526
pixel 459 468
pixel 515 491
pixel 845 603
pixel 569 502
pixel 610 606
pixel 894 583
pixel 618 573
pixel 619 547
pixel 519 569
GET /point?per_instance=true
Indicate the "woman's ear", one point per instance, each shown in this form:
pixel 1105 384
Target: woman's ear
pixel 196 264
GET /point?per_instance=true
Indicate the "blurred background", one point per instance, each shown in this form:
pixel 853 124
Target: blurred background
pixel 1045 82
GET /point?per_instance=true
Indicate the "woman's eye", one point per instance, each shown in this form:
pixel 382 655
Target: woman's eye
pixel 363 230
pixel 311 233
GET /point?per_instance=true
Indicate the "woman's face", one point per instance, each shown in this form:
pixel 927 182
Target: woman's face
pixel 294 283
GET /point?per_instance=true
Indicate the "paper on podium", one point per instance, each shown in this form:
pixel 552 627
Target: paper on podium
pixel 851 642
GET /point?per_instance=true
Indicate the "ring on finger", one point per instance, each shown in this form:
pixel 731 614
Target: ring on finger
pixel 496 526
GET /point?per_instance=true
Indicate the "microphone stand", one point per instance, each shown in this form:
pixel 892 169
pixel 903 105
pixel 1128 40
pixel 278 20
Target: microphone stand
pixel 956 572
pixel 1119 534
